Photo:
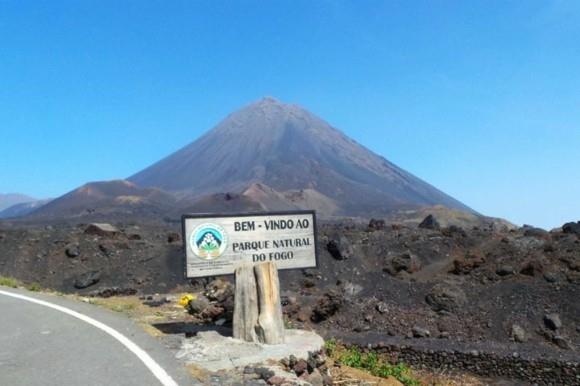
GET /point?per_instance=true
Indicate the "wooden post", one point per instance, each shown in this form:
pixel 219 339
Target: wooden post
pixel 245 304
pixel 270 328
pixel 257 308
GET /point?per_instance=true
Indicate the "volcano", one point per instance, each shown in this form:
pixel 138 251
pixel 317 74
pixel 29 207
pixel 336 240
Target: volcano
pixel 287 148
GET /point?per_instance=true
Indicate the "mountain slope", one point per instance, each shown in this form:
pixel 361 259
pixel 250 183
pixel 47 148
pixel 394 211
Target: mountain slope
pixel 117 197
pixel 258 198
pixel 22 209
pixel 10 199
pixel 287 148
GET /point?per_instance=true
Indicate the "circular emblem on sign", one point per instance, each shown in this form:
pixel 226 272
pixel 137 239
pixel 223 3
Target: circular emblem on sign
pixel 208 241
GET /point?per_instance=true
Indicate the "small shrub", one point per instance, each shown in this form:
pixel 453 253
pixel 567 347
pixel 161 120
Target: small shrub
pixel 34 287
pixel 123 307
pixel 8 282
pixel 288 324
pixel 370 362
pixel 330 347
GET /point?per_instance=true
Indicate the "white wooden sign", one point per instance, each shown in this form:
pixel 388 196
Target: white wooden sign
pixel 217 244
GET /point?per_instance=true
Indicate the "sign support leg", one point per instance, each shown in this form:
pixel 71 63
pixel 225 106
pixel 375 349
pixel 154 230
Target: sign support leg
pixel 245 304
pixel 257 310
pixel 270 328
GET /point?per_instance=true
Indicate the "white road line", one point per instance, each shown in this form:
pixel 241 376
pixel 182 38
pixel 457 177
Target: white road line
pixel 153 366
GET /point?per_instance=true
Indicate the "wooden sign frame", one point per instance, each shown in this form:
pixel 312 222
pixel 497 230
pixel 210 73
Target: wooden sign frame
pixel 242 215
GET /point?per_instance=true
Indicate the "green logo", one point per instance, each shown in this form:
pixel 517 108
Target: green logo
pixel 208 241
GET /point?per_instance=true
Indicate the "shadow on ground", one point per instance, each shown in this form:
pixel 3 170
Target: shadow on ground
pixel 190 329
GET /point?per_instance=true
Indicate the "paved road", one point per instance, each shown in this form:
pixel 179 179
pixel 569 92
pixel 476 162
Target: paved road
pixel 40 345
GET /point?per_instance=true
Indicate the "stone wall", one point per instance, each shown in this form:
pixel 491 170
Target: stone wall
pixel 533 364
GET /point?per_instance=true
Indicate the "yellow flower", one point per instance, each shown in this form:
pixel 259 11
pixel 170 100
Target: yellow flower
pixel 185 299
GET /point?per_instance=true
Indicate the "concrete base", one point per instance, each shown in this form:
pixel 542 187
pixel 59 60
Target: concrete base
pixel 213 352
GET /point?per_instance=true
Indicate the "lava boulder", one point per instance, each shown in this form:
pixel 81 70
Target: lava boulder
pixel 73 251
pixel 327 306
pixel 340 248
pixel 430 222
pixel 571 227
pixel 445 297
pixel 376 225
pixel 505 270
pixel 102 229
pixel 407 262
pixel 553 321
pixel 87 279
pixel 518 333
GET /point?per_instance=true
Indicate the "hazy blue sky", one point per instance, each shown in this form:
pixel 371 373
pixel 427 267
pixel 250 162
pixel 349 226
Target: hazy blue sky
pixel 481 99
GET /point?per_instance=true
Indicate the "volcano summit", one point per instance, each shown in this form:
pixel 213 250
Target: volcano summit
pixel 286 149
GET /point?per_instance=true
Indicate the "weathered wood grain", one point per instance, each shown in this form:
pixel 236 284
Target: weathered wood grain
pixel 245 304
pixel 270 326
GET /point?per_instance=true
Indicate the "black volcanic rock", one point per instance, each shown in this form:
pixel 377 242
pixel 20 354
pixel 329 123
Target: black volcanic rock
pixel 286 148
pixel 430 222
pixel 87 279
pixel 104 230
pixel 553 321
pixel 539 233
pixel 571 227
pixel 376 225
pixel 340 248
pixel 406 262
pixel 505 270
pixel 327 306
pixel 445 297
pixel 73 251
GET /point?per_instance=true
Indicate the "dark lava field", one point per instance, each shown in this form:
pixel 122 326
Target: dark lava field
pixel 483 284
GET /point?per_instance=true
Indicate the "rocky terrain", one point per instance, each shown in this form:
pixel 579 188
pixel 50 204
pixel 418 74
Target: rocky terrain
pixel 481 284
pixel 489 285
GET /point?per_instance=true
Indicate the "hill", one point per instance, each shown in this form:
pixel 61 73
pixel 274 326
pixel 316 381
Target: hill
pixel 10 199
pixel 22 209
pixel 107 199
